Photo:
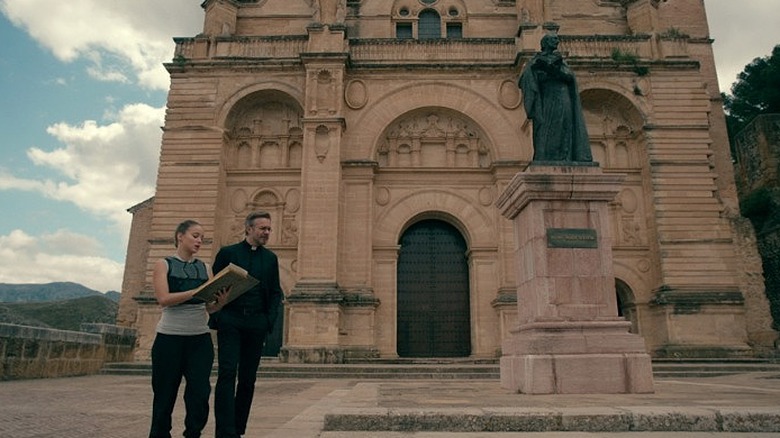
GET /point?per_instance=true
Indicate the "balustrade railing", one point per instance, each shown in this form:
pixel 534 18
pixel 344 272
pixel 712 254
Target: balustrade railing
pixel 386 51
pixel 458 51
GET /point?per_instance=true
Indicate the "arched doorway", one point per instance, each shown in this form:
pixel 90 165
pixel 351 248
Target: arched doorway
pixel 433 292
pixel 625 303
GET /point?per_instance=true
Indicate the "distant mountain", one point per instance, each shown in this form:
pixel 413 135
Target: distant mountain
pixel 112 295
pixel 62 314
pixel 17 293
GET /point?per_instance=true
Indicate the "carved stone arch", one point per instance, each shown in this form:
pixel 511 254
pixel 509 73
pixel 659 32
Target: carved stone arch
pixel 617 124
pixel 445 6
pixel 265 198
pixel 433 137
pixel 598 150
pixel 475 223
pixel 270 200
pixel 595 99
pixel 437 215
pixel 295 155
pixel 500 126
pixel 633 278
pixel 433 318
pixel 626 304
pixel 268 120
pixel 243 155
pixel 270 155
pixel 441 6
pixel 272 89
pixel 588 85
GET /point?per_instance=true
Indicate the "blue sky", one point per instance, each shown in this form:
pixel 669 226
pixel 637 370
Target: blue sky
pixel 84 92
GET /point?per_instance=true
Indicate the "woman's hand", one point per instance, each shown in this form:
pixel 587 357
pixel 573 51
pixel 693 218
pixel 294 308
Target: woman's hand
pixel 219 300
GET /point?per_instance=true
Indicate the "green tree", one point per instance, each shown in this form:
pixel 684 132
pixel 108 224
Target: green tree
pixel 756 91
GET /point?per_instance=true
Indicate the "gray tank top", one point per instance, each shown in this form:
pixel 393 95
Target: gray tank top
pixel 190 317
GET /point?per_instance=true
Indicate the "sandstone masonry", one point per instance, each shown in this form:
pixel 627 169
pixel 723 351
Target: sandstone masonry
pixel 367 127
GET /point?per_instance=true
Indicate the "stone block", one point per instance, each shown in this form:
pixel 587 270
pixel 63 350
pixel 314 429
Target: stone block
pixel 757 420
pixel 660 419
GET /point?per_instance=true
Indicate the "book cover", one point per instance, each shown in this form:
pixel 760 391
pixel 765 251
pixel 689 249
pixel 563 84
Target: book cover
pixel 232 275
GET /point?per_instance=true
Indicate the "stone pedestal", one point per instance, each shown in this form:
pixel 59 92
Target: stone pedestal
pixel 569 338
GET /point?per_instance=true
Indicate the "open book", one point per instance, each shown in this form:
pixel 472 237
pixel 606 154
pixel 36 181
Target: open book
pixel 232 275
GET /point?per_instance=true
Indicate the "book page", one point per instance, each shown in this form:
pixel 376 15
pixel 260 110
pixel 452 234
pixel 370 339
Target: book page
pixel 232 275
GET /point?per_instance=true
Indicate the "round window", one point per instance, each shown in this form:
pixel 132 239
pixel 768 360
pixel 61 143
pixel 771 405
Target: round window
pixel 403 12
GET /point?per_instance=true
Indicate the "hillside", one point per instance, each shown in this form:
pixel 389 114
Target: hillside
pixel 63 314
pixel 16 293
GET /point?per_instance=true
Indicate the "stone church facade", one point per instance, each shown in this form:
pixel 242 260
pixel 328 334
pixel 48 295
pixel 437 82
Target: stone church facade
pixel 379 134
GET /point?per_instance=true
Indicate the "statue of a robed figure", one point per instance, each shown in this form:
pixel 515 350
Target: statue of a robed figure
pixel 552 102
pixel 568 337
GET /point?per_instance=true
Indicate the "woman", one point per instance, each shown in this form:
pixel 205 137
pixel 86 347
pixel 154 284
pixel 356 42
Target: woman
pixel 182 346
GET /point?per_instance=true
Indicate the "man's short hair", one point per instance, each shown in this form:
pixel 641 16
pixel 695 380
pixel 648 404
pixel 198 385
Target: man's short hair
pixel 250 218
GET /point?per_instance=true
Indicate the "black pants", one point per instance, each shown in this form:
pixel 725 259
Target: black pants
pixel 240 339
pixel 174 357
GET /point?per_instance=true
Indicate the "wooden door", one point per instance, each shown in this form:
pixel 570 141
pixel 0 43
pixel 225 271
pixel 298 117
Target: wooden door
pixel 433 292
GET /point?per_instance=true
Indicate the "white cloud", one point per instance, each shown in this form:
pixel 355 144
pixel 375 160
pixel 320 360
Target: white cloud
pixel 102 169
pixel 60 256
pixel 118 38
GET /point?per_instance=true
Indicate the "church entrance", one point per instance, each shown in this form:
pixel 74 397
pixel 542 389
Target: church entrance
pixel 433 292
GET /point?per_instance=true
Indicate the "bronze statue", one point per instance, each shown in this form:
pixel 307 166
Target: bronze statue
pixel 552 103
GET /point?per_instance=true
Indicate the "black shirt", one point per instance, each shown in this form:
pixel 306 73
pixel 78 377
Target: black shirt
pixel 262 264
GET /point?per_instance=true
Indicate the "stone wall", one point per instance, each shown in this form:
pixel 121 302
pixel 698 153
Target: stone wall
pixel 34 352
pixel 757 168
pixel 344 129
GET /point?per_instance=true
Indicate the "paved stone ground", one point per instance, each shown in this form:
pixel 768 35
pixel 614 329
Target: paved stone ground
pixel 119 406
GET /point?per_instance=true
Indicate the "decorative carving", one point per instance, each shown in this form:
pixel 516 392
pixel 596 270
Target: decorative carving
pixel 628 201
pixel 382 195
pixel 322 142
pixel 264 135
pixel 238 201
pixel 329 11
pixel 628 226
pixel 292 201
pixel 486 196
pixel 325 90
pixel 356 94
pixel 289 231
pixel 437 138
pixel 236 229
pixel 614 125
pixel 509 94
pixel 630 231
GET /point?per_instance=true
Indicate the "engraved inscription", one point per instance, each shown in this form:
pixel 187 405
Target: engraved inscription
pixel 572 238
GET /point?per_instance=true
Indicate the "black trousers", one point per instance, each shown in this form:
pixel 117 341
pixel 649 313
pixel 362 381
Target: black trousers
pixel 240 339
pixel 174 357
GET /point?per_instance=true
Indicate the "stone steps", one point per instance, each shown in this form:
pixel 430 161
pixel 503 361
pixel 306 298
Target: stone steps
pixel 684 368
pixel 444 369
pixel 276 370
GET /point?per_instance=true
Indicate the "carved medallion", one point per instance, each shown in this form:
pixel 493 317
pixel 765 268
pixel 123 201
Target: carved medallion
pixel 356 94
pixel 509 94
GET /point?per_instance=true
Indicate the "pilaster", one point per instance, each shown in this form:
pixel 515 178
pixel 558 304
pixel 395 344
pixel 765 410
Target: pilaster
pixel 315 312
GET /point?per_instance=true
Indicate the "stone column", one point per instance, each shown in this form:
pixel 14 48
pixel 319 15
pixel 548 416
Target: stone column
pixel 569 338
pixel 314 305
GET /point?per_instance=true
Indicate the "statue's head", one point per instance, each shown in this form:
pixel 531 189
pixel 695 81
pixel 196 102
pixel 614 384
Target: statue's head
pixel 549 42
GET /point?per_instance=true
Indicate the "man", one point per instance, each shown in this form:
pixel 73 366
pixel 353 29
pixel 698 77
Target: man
pixel 243 324
pixel 552 102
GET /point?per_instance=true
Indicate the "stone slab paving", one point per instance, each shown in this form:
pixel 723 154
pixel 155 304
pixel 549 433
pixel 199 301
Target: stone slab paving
pixel 745 405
